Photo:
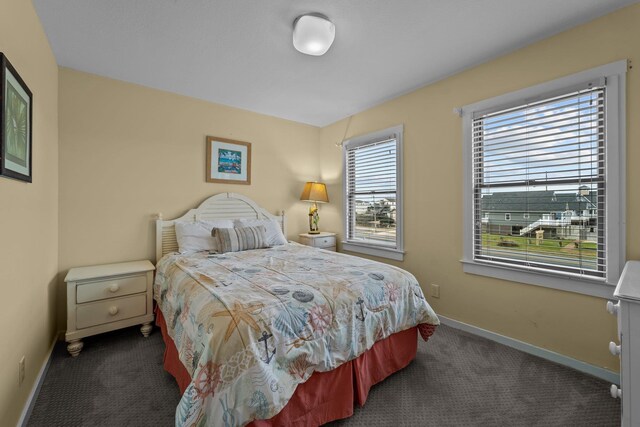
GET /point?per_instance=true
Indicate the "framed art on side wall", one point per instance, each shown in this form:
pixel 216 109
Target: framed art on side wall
pixel 228 161
pixel 15 123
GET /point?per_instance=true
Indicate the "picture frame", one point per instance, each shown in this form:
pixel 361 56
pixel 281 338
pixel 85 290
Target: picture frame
pixel 228 161
pixel 16 115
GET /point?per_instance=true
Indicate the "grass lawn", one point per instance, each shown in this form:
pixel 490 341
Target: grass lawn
pixel 547 246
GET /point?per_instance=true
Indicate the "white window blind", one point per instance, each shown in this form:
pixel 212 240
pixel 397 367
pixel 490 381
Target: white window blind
pixel 372 193
pixel 543 164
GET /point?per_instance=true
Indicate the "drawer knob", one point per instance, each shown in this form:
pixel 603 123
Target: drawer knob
pixel 615 391
pixel 113 310
pixel 612 307
pixel 114 288
pixel 614 348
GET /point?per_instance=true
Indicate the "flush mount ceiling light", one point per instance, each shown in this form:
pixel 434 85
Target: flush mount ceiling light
pixel 313 34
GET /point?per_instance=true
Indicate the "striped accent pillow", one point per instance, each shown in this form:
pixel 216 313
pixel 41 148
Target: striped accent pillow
pixel 240 238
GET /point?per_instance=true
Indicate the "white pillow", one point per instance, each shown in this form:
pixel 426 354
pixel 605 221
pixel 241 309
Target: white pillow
pixel 274 236
pixel 196 236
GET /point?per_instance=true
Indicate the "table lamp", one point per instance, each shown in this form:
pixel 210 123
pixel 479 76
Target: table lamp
pixel 315 192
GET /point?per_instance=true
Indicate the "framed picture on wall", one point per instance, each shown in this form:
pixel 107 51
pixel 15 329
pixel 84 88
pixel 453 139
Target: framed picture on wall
pixel 228 161
pixel 15 123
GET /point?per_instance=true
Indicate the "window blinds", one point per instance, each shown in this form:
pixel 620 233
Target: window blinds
pixel 539 184
pixel 371 192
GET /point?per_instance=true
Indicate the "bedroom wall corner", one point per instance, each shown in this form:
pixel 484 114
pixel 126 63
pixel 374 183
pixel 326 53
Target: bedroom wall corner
pixel 29 217
pixel 128 152
pixel 571 324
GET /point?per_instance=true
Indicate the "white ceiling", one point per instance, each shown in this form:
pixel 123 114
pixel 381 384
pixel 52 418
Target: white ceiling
pixel 239 52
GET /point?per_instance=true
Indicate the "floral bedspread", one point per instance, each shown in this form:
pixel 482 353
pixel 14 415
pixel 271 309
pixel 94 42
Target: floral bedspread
pixel 250 326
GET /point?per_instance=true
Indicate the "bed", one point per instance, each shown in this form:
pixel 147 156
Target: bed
pixel 287 335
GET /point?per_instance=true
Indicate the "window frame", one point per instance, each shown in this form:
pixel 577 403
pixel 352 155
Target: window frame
pixel 394 253
pixel 615 178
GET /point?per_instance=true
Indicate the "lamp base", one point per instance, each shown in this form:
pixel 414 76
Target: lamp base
pixel 313 232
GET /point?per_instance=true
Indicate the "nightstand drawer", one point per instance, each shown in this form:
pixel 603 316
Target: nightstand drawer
pixel 115 287
pixel 324 242
pixel 99 313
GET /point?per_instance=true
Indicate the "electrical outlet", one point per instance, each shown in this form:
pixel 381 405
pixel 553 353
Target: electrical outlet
pixel 435 290
pixel 21 371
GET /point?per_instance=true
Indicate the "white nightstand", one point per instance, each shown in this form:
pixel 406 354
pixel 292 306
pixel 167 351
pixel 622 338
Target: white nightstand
pixel 102 298
pixel 322 240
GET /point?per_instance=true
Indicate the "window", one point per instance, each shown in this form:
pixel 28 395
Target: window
pixel 553 152
pixel 373 194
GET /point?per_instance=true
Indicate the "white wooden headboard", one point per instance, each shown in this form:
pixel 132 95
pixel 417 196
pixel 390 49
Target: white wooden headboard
pixel 220 206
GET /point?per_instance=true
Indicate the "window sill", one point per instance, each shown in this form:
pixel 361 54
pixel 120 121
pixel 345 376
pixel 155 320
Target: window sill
pixel 379 251
pixel 586 286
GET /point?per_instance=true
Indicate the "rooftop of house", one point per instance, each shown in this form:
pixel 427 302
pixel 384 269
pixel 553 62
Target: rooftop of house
pixel 539 201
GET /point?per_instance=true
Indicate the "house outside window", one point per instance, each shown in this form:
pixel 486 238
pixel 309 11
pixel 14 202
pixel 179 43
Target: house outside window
pixel 553 151
pixel 373 194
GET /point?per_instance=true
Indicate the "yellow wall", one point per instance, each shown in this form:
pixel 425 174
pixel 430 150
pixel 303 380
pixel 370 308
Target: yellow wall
pixel 29 216
pixel 568 323
pixel 128 152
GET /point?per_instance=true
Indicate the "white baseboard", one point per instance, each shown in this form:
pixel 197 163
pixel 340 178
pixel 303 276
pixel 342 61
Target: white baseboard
pixel 561 359
pixel 33 395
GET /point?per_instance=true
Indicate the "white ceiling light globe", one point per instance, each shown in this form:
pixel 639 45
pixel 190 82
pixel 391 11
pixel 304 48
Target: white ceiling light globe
pixel 313 34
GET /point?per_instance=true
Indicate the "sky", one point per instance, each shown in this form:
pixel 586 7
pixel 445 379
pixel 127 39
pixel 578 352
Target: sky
pixel 544 142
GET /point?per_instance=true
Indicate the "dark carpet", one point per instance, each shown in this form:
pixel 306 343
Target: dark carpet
pixel 457 379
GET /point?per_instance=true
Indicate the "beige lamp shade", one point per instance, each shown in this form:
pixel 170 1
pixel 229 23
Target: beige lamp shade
pixel 315 192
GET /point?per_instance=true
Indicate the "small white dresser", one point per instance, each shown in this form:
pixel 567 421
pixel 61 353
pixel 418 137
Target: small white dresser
pixel 103 298
pixel 628 312
pixel 323 240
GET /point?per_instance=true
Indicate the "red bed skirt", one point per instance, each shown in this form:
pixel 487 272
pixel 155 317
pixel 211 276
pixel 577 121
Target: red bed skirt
pixel 325 396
